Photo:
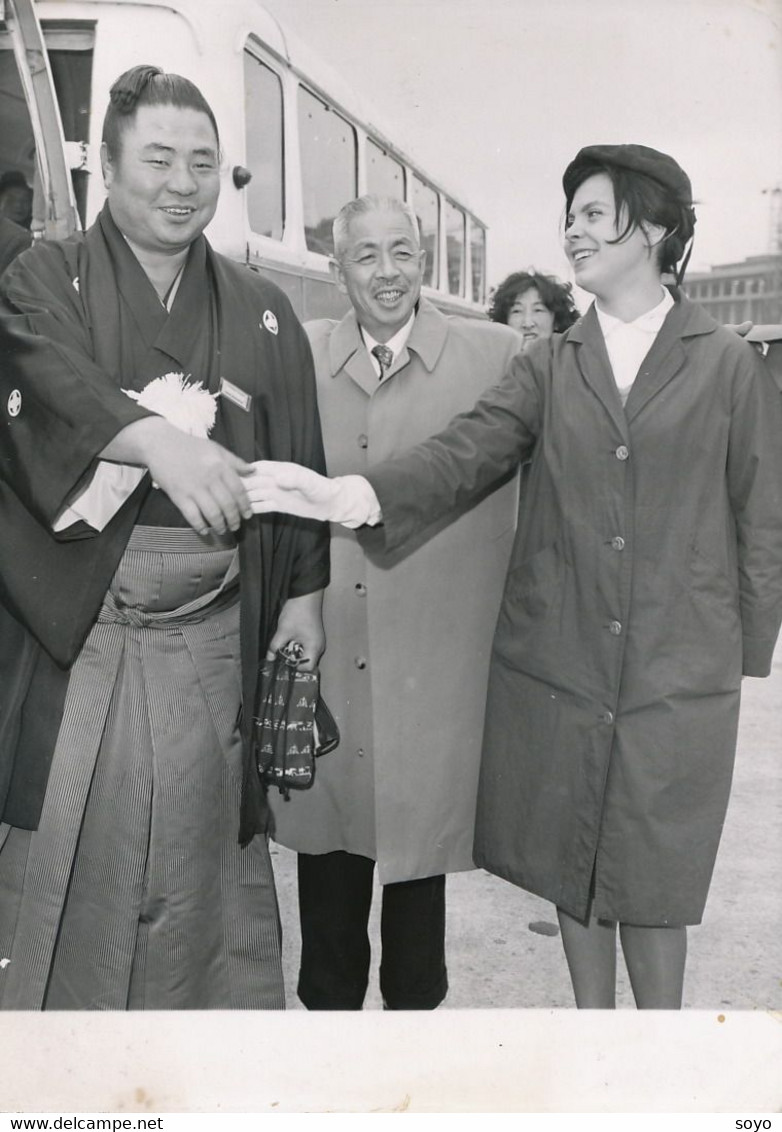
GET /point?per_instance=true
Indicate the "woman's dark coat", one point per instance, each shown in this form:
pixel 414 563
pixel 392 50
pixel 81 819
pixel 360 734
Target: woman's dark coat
pixel 646 577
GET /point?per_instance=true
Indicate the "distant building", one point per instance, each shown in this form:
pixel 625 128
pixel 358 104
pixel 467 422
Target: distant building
pixel 735 292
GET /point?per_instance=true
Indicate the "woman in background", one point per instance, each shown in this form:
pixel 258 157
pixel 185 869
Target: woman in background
pixel 535 305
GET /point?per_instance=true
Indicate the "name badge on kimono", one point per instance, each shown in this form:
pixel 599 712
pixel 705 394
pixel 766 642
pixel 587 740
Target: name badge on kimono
pixel 235 394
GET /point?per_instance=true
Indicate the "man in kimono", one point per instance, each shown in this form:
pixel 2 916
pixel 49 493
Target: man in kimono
pixel 134 869
pixel 403 673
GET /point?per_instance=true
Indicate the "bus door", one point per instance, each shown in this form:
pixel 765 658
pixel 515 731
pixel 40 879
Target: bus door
pixel 45 81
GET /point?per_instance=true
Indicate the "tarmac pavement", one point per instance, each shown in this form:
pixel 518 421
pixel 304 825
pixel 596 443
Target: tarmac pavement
pixel 496 960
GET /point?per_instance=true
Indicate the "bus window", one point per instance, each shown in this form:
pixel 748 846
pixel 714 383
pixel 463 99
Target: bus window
pixel 17 146
pixel 385 175
pixel 70 59
pixel 328 168
pixel 454 246
pixel 478 255
pixel 263 125
pixel 72 77
pixel 425 205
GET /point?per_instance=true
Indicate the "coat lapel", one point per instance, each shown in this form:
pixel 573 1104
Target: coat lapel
pixel 664 360
pixel 667 354
pixel 347 352
pixel 427 338
pixel 595 367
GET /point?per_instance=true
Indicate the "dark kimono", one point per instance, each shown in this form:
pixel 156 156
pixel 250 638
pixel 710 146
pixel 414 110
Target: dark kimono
pixel 125 655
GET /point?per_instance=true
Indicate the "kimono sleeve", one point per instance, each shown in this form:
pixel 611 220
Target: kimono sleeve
pixel 310 563
pixel 754 473
pixel 457 465
pixel 59 408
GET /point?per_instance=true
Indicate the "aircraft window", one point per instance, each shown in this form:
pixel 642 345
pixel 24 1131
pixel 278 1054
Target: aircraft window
pixel 454 246
pixel 426 209
pixel 478 251
pixel 385 175
pixel 263 125
pixel 328 168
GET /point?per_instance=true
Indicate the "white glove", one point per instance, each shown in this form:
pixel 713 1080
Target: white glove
pixel 295 490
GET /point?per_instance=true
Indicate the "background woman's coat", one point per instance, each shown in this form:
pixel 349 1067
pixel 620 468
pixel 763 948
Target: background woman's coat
pixel 646 577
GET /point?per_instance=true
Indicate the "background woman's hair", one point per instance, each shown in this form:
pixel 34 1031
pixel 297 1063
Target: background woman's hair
pixel 148 86
pixel 554 294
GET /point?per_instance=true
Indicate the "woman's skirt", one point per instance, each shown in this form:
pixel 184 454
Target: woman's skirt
pixel 133 893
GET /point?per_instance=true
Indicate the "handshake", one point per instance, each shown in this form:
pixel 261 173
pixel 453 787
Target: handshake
pixel 295 490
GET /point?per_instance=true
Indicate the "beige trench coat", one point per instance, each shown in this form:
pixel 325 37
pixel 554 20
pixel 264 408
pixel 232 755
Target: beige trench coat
pixel 408 635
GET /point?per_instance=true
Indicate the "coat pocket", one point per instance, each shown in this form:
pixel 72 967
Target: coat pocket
pixel 708 579
pixel 535 585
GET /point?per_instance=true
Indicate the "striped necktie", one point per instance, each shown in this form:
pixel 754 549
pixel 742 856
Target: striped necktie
pixel 385 357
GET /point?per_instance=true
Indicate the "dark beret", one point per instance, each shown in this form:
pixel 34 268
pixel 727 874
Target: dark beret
pixel 636 159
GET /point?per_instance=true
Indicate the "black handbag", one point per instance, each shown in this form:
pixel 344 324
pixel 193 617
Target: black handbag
pixel 293 725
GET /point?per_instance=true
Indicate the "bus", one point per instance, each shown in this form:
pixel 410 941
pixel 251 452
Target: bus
pixel 297 142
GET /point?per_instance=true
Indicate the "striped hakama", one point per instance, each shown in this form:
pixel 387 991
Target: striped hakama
pixel 133 893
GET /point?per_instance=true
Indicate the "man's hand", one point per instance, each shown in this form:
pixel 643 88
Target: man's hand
pixel 204 480
pixel 294 490
pixel 301 620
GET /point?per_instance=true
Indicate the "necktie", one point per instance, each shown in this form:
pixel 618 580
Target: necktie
pixel 385 357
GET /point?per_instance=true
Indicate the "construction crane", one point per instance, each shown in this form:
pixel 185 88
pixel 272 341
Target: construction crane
pixel 774 194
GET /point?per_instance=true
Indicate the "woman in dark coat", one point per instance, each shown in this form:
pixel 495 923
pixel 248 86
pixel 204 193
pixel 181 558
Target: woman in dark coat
pixel 645 580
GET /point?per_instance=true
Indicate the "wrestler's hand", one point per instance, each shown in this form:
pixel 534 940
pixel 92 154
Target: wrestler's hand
pixel 294 490
pixel 204 480
pixel 301 620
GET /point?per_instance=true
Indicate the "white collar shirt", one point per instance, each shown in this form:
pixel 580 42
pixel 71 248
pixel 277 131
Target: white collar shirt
pixel 628 343
pixel 396 344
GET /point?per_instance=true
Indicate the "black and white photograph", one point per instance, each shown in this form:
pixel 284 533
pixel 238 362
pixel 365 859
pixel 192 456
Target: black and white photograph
pixel 391 556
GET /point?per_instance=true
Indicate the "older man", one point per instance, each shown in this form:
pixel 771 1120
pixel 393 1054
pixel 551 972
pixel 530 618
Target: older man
pixel 408 635
pixel 123 770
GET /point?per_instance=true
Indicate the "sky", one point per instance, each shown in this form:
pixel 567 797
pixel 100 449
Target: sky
pixel 494 98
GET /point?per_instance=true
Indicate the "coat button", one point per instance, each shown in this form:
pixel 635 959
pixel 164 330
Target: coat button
pixel 615 627
pixel 360 662
pixel 361 589
pixel 608 717
pixel 618 543
pixel 360 752
pixel 622 452
pixel 363 440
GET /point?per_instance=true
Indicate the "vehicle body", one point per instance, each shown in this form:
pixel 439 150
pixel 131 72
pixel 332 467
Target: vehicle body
pixel 284 117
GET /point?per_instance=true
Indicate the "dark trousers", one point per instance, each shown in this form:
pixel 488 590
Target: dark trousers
pixel 335 895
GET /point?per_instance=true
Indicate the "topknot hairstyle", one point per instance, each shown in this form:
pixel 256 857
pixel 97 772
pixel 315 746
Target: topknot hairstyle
pixel 148 86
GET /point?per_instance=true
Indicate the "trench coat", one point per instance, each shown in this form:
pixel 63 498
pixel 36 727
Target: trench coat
pixel 645 578
pixel 408 634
